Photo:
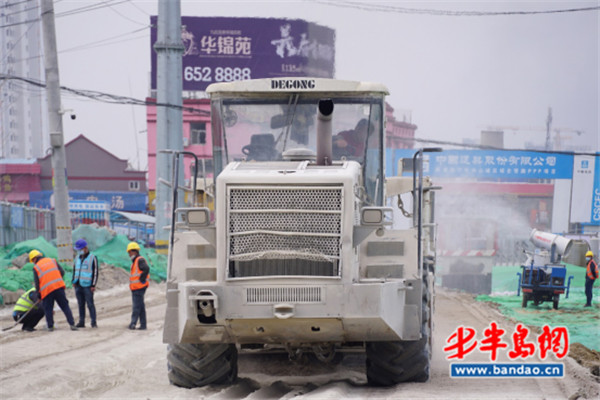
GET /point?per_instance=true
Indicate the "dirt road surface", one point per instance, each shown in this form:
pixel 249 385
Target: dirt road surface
pixel 113 362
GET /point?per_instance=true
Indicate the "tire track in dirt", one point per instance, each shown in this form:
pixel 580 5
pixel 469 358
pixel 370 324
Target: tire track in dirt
pixel 114 362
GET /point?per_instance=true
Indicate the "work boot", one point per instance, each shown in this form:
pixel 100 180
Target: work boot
pixel 80 325
pixel 142 328
pixel 94 325
pixel 74 328
pixel 132 326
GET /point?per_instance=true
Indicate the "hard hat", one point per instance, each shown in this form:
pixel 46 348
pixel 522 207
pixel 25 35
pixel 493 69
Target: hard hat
pixel 133 246
pixel 34 254
pixel 589 254
pixel 80 244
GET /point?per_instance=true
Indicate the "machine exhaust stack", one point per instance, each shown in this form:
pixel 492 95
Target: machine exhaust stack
pixel 324 139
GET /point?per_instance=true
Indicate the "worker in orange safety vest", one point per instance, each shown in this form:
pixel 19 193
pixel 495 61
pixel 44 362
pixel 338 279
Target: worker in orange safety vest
pixel 47 275
pixel 591 274
pixel 138 283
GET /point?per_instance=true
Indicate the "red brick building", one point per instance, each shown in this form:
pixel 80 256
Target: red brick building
pixel 18 178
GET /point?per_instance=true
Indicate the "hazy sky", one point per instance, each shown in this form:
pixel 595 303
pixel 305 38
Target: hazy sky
pixel 456 75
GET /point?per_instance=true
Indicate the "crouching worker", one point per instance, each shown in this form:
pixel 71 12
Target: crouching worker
pixel 47 274
pixel 28 310
pixel 138 283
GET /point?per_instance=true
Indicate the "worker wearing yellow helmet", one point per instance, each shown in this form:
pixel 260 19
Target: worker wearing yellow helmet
pixel 48 278
pixel 591 274
pixel 138 283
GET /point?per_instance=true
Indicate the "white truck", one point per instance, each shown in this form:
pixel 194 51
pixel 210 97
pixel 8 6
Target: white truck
pixel 307 249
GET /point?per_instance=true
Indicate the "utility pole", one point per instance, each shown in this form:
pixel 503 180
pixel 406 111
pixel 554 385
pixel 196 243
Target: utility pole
pixel 169 120
pixel 59 161
pixel 548 126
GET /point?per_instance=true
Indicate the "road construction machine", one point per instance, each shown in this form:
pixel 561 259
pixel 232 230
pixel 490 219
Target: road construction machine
pixel 310 248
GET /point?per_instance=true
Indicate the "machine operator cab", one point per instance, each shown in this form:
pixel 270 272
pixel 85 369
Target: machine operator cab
pixel 275 120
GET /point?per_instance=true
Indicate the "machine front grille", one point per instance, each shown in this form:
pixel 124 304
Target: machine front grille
pixel 281 198
pixel 258 295
pixel 284 230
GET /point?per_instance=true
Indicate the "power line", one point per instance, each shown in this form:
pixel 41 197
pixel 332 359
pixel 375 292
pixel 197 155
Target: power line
pixel 14 4
pixel 37 7
pixel 99 43
pixel 8 53
pixel 446 13
pixel 117 99
pixel 91 7
pixel 126 17
pixel 139 9
pixel 109 39
pixel 20 23
pixel 88 47
pixel 21 11
pixel 106 97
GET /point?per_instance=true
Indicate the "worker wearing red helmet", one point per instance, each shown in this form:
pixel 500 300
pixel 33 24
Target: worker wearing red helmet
pixel 591 274
pixel 138 283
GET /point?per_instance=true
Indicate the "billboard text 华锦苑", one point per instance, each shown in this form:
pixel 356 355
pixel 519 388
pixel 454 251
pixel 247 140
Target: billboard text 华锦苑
pixel 219 49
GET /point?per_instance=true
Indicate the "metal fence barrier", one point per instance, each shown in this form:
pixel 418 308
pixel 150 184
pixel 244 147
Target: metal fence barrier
pixel 20 223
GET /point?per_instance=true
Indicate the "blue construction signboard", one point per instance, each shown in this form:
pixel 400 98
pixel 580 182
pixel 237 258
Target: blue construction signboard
pixel 488 164
pixel 118 201
pixel 595 218
pixel 17 217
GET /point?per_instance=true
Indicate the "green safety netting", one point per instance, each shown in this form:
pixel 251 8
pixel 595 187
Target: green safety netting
pixel 39 244
pixel 583 322
pixel 111 249
pixel 115 253
pixel 94 235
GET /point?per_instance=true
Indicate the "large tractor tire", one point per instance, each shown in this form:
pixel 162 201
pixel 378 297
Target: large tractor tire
pixel 390 363
pixel 195 365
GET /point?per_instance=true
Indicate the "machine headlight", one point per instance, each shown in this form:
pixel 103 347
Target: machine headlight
pixel 374 215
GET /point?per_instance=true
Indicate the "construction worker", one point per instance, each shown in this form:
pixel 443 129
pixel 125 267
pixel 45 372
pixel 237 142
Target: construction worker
pixel 138 283
pixel 27 311
pixel 85 277
pixel 47 274
pixel 352 142
pixel 591 274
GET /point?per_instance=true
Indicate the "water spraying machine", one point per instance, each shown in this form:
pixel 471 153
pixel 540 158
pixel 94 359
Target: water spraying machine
pixel 543 275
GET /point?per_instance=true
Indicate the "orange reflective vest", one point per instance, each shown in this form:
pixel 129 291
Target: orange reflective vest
pixel 591 265
pixel 49 276
pixel 134 277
